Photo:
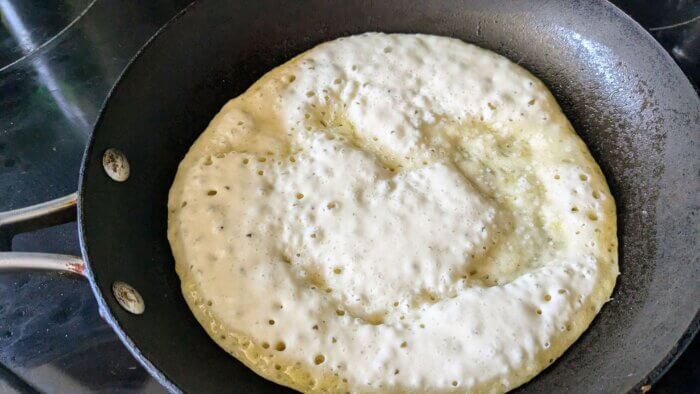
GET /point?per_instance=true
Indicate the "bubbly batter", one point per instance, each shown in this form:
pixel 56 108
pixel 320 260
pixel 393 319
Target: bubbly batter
pixel 393 213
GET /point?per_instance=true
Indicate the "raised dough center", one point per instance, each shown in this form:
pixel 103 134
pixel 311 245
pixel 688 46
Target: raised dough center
pixel 377 242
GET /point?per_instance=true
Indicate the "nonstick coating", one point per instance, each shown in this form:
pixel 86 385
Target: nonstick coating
pixel 625 97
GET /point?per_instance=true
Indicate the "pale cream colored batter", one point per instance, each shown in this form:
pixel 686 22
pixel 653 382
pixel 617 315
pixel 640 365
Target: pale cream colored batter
pixel 393 213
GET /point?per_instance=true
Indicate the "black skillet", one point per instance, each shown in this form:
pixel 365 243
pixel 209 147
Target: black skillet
pixel 626 98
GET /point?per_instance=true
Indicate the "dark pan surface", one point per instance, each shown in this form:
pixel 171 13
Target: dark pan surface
pixel 627 99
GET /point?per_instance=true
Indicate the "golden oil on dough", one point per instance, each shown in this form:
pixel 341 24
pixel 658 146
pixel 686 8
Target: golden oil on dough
pixel 393 213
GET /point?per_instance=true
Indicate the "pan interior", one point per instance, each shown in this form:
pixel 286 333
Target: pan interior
pixel 628 101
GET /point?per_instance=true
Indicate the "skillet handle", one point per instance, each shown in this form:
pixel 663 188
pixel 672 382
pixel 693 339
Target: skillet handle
pixel 47 214
pixel 15 261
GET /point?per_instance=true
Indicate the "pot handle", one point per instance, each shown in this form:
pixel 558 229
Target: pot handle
pixel 47 214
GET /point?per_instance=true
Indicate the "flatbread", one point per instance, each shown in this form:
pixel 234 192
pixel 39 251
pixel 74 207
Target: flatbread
pixel 394 213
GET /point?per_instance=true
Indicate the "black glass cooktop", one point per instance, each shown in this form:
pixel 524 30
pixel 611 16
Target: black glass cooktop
pixel 58 60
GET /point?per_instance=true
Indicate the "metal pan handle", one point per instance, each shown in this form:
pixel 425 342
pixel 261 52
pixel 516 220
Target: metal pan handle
pixel 47 214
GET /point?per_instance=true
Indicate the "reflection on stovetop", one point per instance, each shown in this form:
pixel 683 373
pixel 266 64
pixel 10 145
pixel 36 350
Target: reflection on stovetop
pixel 58 60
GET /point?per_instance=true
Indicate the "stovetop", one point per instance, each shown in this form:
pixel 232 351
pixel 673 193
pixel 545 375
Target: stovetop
pixel 58 61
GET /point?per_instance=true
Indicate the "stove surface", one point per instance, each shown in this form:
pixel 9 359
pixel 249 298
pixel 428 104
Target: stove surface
pixel 58 61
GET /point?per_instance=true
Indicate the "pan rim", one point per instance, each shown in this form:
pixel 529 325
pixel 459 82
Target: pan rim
pixel 653 376
pixel 650 378
pixel 103 307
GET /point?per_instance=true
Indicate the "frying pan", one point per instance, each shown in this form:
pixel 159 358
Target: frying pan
pixel 624 95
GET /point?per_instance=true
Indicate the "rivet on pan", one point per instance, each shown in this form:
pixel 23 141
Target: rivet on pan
pixel 115 164
pixel 128 298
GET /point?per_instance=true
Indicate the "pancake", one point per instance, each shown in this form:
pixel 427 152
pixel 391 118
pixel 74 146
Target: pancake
pixel 393 213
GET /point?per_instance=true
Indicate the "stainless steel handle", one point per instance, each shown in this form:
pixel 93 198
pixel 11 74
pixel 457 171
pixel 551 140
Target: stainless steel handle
pixel 47 214
pixel 10 261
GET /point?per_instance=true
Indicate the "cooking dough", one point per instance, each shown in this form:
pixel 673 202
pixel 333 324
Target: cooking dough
pixel 395 212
